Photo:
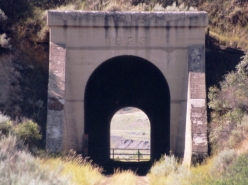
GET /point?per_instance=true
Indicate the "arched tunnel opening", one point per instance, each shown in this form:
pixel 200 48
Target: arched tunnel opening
pixel 126 81
pixel 130 132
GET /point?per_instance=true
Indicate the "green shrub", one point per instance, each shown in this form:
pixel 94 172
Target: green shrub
pixel 6 127
pixel 168 171
pixel 236 174
pixel 223 161
pixel 164 166
pixel 28 131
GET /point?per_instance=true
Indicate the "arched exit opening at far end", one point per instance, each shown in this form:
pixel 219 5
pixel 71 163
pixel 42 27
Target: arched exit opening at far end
pixel 126 81
pixel 130 136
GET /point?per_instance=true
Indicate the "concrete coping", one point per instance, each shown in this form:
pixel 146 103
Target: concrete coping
pixel 190 19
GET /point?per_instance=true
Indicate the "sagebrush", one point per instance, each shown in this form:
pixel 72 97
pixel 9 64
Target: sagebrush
pixel 229 104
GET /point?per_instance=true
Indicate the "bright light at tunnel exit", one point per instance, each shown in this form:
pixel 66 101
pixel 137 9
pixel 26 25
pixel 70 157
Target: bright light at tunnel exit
pixel 130 133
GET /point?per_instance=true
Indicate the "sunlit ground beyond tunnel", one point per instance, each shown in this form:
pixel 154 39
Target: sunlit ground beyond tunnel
pixel 130 135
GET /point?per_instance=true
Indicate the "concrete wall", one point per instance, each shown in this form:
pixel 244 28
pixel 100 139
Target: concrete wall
pixel 81 41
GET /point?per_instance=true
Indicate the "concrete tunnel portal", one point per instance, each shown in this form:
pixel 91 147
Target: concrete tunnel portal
pixel 101 62
pixel 125 81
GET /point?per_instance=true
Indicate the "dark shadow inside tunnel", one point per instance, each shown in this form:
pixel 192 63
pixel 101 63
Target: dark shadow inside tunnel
pixel 126 81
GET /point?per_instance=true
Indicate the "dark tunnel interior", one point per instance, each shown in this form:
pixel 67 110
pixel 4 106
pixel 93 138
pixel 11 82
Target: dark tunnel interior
pixel 126 81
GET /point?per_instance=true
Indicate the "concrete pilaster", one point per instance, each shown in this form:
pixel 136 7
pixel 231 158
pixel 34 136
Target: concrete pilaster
pixel 196 117
pixel 56 90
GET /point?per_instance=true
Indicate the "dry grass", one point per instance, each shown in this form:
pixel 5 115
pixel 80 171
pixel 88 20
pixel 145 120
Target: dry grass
pixel 80 170
pixel 127 177
pixel 200 174
pixel 228 22
pixel 243 147
pixel 80 173
pixel 18 166
pixel 83 173
pixel 230 39
pixel 157 180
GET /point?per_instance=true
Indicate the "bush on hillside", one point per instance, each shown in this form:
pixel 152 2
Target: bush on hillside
pixel 222 162
pixel 237 173
pixel 168 171
pixel 164 166
pixel 6 127
pixel 26 131
pixel 17 166
pixel 229 104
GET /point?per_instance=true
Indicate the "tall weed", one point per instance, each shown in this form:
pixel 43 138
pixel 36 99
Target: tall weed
pixel 80 170
pixel 200 174
pixel 169 171
pixel 164 166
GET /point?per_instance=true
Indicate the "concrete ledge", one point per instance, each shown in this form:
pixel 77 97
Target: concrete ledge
pixel 127 19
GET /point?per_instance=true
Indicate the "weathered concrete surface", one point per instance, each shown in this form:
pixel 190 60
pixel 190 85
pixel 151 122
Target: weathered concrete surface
pixel 56 90
pixel 81 41
pixel 149 19
pixel 196 123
